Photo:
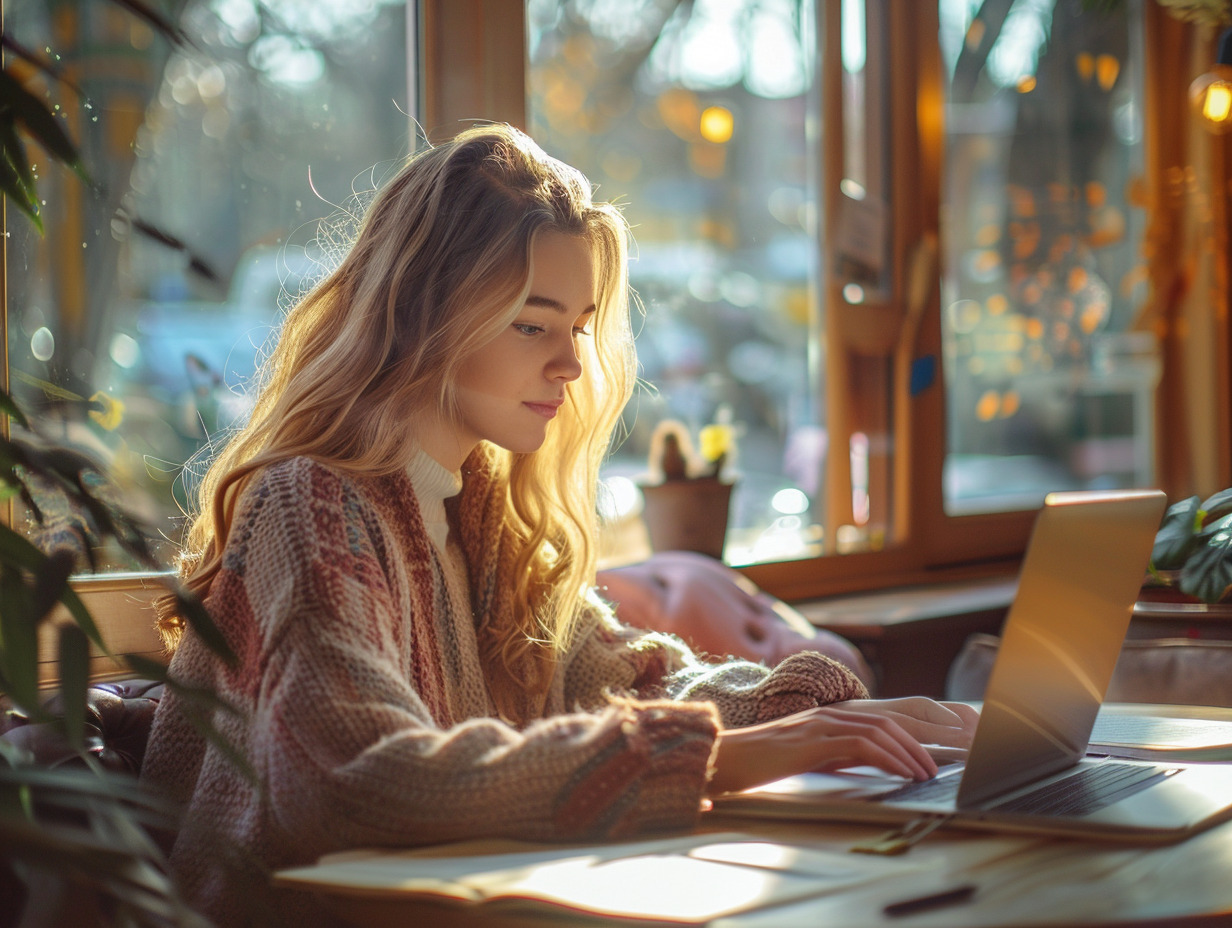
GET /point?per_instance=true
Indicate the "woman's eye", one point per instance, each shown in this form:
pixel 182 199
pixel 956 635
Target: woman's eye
pixel 580 330
pixel 527 328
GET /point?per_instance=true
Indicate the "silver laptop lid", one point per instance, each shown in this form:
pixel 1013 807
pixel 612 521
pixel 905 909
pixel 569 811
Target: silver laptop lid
pixel 1076 589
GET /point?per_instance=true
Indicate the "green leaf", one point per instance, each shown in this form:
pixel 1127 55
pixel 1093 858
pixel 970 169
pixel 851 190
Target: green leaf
pixel 1176 537
pixel 19 639
pixel 15 154
pixel 50 583
pixel 9 406
pixel 1218 506
pixel 16 551
pixel 43 64
pixel 1208 572
pixel 199 619
pixel 38 121
pixel 74 679
pixel 13 188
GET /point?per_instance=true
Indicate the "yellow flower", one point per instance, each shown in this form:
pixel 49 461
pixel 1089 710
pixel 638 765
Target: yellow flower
pixel 106 410
pixel 714 440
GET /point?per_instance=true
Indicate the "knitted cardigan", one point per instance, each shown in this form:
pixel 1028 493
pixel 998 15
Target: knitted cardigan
pixel 363 710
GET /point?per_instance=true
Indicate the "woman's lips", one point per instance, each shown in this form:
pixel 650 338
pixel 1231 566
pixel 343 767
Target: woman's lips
pixel 547 410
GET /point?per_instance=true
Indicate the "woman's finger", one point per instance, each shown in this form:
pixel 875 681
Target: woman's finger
pixel 882 733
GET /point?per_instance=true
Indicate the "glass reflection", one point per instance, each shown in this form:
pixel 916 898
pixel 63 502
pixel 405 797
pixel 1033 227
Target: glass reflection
pixel 1049 379
pixel 136 321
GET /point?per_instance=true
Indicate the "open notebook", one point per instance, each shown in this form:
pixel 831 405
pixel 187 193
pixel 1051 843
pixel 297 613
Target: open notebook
pixel 1027 769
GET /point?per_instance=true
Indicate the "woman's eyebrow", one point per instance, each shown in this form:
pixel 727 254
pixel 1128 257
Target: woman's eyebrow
pixel 548 303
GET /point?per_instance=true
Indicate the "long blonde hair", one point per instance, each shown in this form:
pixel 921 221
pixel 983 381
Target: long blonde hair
pixel 440 266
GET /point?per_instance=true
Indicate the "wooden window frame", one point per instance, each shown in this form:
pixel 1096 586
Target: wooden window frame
pixel 473 66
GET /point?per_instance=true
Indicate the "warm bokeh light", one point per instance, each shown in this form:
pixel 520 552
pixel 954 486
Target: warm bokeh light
pixel 1211 97
pixel 1106 70
pixel 987 407
pixel 717 124
pixel 1010 403
pixel 1085 63
pixel 1026 83
pixel 1217 103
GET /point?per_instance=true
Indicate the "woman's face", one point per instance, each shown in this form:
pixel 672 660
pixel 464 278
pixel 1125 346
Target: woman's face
pixel 509 390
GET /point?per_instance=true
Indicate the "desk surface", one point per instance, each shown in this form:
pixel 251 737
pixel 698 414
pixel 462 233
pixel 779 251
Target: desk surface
pixel 1017 881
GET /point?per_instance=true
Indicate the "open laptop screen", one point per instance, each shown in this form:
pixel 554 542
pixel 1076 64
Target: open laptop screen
pixel 1079 579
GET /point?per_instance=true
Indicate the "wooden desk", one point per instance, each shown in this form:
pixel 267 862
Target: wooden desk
pixel 1018 881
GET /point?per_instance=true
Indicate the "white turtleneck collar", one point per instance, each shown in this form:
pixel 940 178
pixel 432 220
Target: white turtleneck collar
pixel 433 485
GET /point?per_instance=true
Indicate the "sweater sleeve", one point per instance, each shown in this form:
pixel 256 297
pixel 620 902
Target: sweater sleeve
pixel 612 657
pixel 342 734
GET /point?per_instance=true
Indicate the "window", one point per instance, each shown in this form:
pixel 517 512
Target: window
pixel 775 258
pixel 135 322
pixel 1050 375
pixel 832 213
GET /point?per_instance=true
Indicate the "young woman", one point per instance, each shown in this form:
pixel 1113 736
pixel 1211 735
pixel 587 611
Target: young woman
pixel 399 549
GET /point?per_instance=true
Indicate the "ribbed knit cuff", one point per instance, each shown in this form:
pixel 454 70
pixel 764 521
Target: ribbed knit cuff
pixel 651 776
pixel 804 681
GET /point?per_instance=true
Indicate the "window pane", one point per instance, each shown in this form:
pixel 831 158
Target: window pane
pixel 233 148
pixel 699 118
pixel 1050 382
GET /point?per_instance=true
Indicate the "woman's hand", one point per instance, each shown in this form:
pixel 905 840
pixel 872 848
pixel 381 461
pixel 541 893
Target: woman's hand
pixel 948 724
pixel 888 734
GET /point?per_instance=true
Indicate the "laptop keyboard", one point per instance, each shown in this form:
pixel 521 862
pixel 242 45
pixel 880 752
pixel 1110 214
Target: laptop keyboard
pixel 1080 792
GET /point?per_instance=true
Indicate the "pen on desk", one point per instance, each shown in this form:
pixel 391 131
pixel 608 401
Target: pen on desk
pixel 932 900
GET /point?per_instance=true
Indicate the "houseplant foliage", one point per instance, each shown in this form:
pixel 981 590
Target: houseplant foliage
pixel 72 838
pixel 1193 549
pixel 24 116
pixel 81 825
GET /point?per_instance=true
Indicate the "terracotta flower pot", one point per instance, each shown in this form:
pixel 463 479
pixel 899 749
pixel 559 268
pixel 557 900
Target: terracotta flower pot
pixel 687 515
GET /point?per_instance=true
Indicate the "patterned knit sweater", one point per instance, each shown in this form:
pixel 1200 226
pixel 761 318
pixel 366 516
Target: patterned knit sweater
pixel 363 709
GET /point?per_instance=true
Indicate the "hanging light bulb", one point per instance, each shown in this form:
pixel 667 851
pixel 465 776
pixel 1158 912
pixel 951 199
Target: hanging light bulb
pixel 1211 93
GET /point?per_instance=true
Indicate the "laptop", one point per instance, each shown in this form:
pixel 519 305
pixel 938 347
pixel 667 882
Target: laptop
pixel 1028 769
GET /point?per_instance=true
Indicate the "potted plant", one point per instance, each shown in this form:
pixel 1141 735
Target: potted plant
pixel 687 494
pixel 1192 557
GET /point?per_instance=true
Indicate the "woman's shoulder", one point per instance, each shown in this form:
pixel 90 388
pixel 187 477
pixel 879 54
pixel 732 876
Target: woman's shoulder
pixel 299 470
pixel 296 487
pixel 311 505
pixel 302 478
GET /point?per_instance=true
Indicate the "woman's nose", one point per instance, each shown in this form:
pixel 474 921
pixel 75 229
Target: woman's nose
pixel 565 364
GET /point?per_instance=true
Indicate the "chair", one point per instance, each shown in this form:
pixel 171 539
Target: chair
pixel 118 719
pixel 1174 671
